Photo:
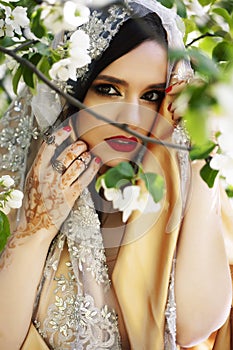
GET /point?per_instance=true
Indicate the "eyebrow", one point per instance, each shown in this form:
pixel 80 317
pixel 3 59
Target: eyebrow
pixel 110 79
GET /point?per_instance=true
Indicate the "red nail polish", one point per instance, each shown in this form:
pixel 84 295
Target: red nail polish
pixel 169 89
pixel 169 107
pixel 97 160
pixel 67 128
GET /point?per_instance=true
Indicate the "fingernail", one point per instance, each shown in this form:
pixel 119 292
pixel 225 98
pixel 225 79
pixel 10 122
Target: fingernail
pixel 169 107
pixel 169 89
pixel 97 160
pixel 67 128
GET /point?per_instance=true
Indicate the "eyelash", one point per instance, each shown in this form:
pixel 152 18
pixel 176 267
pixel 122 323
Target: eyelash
pixel 104 90
pixel 101 90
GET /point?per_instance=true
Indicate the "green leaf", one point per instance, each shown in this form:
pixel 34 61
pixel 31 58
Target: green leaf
pixel 181 9
pixel 36 24
pixel 27 72
pixel 16 79
pixel 223 51
pixel 205 2
pixel 4 230
pixel 6 41
pixel 202 151
pixel 6 3
pixel 196 124
pixel 98 183
pixel 125 169
pixel 203 64
pixel 167 3
pixel 154 184
pixel 208 174
pixel 229 191
pixel 119 176
pixel 223 13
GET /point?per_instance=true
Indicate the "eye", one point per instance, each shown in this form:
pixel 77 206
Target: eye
pixel 106 89
pixel 153 96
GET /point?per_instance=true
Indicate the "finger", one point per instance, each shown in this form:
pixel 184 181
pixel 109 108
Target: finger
pixel 175 88
pixel 75 169
pixel 47 150
pixel 72 152
pixel 85 179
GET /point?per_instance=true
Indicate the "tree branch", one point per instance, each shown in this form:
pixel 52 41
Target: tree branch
pixel 199 38
pixel 80 105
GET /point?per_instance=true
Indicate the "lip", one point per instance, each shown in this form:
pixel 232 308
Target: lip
pixel 121 143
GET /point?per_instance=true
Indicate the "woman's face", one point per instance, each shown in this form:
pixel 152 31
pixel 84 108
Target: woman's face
pixel 127 91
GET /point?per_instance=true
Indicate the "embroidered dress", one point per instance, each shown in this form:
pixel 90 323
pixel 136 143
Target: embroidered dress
pixel 77 306
pixel 75 284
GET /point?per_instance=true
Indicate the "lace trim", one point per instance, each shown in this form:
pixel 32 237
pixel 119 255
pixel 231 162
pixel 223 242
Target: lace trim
pixel 74 322
pixel 15 137
pixel 170 314
pixel 85 241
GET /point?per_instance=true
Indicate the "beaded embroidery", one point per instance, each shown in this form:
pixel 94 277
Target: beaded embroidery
pixel 101 31
pixel 16 133
pixel 74 321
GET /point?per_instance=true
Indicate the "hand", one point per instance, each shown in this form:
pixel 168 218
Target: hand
pixel 50 195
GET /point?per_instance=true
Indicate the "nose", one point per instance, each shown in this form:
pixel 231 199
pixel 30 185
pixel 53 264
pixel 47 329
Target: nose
pixel 129 113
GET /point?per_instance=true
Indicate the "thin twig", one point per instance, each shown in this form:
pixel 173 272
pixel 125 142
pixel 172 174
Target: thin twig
pixel 25 44
pixel 76 103
pixel 199 38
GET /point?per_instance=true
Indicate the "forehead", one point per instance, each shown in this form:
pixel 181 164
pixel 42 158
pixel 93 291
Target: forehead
pixel 146 64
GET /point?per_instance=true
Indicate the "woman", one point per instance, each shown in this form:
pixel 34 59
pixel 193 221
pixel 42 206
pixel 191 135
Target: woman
pixel 73 275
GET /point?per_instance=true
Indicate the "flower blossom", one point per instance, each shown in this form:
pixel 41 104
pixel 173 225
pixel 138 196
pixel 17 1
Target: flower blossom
pixel 223 160
pixel 65 17
pixel 130 199
pixel 63 70
pixel 99 3
pixel 78 57
pixel 9 197
pixel 14 21
pixel 6 181
pixel 79 44
pixel 75 14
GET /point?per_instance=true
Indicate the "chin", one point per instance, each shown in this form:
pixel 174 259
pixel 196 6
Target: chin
pixel 114 162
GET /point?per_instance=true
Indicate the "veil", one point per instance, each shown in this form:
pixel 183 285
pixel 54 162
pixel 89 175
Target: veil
pixel 152 307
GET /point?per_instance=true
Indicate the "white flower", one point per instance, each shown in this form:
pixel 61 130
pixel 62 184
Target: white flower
pixel 14 20
pixel 79 40
pixel 99 3
pixel 68 17
pixel 6 181
pixel 4 208
pixel 15 199
pixel 78 57
pixel 60 70
pixel 75 14
pixel 1 27
pixel 51 2
pixel 226 144
pixel 130 199
pixel 53 18
pixel 82 59
pixel 20 18
pixel 223 92
pixel 224 164
pixel 78 50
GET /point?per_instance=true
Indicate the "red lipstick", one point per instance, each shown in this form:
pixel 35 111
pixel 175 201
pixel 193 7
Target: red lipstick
pixel 122 143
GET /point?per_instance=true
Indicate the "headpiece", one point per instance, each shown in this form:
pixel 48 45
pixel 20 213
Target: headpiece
pixel 104 24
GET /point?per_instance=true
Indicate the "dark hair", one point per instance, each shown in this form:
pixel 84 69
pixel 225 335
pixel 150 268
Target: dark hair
pixel 131 34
